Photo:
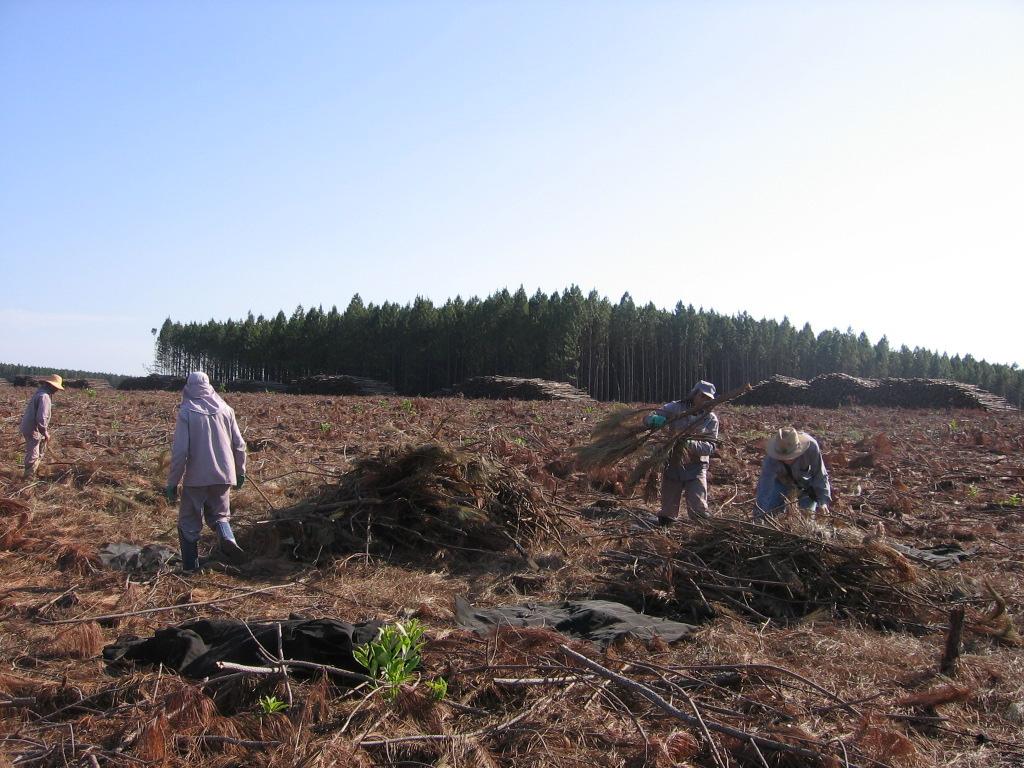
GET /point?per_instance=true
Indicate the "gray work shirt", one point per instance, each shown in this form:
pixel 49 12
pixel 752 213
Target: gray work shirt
pixel 36 419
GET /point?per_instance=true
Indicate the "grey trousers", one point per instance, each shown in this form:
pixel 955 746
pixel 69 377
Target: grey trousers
pixel 33 453
pixel 205 502
pixel 696 490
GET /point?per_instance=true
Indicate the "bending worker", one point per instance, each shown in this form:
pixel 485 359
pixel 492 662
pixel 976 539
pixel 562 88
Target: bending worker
pixel 687 467
pixel 35 423
pixel 793 470
pixel 207 458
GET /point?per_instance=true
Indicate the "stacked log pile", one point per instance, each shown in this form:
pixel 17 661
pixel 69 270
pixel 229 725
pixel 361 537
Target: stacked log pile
pixel 87 384
pixel 937 393
pixel 777 390
pixel 515 388
pixel 836 389
pixel 151 383
pixel 251 385
pixel 339 385
pixel 832 389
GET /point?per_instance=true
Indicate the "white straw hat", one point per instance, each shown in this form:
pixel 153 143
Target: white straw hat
pixel 788 443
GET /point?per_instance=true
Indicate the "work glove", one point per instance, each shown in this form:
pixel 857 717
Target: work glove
pixel 240 483
pixel 656 420
pixel 171 492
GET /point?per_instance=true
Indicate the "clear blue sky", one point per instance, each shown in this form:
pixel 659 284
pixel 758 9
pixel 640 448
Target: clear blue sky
pixel 847 164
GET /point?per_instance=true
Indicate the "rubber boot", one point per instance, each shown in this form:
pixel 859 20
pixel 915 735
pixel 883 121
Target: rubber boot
pixel 228 546
pixel 189 554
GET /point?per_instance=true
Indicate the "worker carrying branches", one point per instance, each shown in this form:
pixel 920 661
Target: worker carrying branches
pixel 35 422
pixel 686 470
pixel 793 471
pixel 207 458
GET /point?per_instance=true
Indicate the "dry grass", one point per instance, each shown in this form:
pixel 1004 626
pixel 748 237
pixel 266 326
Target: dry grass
pixel 925 477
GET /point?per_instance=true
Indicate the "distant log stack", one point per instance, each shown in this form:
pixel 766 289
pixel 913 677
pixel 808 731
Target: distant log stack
pixel 250 385
pixel 778 390
pixel 87 384
pixel 152 383
pixel 33 381
pixel 832 390
pixel 515 388
pixel 339 385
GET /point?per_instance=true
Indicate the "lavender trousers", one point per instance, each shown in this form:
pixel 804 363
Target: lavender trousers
pixel 696 490
pixel 33 453
pixel 199 502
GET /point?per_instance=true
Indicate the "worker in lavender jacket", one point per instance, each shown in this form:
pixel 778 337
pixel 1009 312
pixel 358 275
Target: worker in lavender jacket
pixel 793 471
pixel 207 458
pixel 687 469
pixel 35 423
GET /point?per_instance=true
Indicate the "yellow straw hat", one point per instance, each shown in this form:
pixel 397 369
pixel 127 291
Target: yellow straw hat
pixel 54 380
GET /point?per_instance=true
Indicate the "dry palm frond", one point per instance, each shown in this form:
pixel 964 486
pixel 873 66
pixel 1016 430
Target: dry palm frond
pixel 80 641
pixel 998 622
pixel 623 433
pixel 153 741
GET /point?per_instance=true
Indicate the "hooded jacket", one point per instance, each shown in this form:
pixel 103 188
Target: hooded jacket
pixel 208 448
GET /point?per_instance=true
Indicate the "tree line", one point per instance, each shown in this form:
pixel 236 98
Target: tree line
pixel 8 370
pixel 615 351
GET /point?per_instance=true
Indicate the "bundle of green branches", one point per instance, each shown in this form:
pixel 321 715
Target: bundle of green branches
pixel 790 570
pixel 624 434
pixel 417 498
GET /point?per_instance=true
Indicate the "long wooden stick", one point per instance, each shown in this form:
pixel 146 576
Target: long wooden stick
pixel 337 671
pixel 660 703
pixel 105 617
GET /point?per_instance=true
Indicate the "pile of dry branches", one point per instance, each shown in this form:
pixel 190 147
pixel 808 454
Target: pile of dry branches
pixel 793 570
pixel 419 497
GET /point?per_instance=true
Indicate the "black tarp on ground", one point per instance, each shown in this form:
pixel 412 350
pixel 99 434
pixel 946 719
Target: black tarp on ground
pixel 599 621
pixel 194 649
pixel 941 556
pixel 122 556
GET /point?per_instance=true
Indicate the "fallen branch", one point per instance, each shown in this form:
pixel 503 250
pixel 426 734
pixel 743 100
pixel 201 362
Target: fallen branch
pixel 336 671
pixel 453 736
pixel 664 706
pixel 246 743
pixel 107 617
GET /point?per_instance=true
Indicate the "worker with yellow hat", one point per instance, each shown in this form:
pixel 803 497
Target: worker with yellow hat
pixel 35 424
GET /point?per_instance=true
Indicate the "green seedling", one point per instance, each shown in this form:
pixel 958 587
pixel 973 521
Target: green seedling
pixel 394 656
pixel 271 705
pixel 406 405
pixel 1015 500
pixel 325 427
pixel 438 688
pixel 973 491
pixel 90 392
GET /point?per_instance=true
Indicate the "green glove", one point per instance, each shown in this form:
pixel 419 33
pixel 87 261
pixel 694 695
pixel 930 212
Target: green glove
pixel 656 420
pixel 240 483
pixel 171 492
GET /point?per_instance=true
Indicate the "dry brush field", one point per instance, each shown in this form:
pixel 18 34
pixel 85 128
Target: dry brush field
pixel 841 671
